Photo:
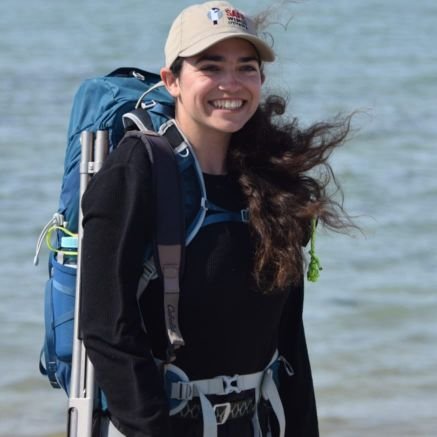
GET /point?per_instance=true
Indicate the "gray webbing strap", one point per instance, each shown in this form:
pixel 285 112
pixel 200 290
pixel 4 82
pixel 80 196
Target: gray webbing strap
pixel 169 259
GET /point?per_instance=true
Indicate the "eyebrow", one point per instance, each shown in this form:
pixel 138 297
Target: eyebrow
pixel 220 58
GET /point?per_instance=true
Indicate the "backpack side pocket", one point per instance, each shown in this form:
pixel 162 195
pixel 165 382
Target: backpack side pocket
pixel 59 319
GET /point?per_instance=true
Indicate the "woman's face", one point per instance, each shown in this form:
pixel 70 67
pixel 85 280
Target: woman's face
pixel 217 91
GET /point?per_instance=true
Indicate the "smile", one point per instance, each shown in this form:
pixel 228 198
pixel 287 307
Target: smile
pixel 227 103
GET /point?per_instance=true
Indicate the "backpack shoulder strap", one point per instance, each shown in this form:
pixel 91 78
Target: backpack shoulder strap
pixel 199 210
pixel 169 235
pixel 137 119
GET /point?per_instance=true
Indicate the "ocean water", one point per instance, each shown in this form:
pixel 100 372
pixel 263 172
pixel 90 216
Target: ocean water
pixel 371 320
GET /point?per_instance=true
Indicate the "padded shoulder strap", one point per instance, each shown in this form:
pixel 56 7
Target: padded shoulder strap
pixel 138 119
pixel 169 232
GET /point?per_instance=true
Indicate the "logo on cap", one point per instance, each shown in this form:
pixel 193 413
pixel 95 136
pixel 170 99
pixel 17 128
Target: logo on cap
pixel 214 14
pixel 236 18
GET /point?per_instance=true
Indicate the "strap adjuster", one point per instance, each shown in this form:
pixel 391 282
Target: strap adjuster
pixel 230 384
pixel 149 104
pixel 222 412
pixel 245 215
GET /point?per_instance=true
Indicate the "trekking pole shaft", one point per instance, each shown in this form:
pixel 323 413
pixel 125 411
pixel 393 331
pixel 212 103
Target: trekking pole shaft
pixel 101 149
pixel 81 399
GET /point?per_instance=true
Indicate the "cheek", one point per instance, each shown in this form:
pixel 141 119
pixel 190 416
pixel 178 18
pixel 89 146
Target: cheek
pixel 189 87
pixel 256 92
pixel 198 92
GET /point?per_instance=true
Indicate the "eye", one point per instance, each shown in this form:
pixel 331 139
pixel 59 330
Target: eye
pixel 209 68
pixel 249 68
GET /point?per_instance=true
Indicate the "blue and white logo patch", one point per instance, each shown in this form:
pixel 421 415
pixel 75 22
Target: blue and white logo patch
pixel 215 14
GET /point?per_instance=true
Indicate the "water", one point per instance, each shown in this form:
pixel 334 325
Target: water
pixel 371 319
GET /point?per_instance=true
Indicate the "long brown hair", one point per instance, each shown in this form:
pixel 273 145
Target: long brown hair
pixel 284 173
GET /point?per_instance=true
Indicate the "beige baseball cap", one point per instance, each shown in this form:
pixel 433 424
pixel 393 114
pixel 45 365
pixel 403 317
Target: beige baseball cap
pixel 202 25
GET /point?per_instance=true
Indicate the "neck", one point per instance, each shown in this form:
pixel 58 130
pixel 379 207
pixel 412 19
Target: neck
pixel 211 150
pixel 212 159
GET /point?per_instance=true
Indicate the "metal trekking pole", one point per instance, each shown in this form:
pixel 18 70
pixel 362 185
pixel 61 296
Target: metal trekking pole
pixel 82 387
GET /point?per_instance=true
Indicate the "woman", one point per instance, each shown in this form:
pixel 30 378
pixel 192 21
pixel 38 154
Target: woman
pixel 242 288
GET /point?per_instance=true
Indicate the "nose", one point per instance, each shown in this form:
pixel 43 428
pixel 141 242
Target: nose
pixel 229 82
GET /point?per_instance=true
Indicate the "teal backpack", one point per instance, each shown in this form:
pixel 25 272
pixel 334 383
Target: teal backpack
pixel 126 99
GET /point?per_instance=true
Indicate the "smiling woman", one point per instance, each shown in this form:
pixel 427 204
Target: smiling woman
pixel 216 93
pixel 243 370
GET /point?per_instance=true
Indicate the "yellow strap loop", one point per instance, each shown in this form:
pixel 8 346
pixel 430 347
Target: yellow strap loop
pixel 66 232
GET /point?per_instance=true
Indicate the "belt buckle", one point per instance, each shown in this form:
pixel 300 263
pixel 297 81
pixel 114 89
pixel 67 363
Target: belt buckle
pixel 222 415
pixel 230 385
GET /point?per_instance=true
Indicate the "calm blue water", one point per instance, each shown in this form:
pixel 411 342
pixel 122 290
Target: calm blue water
pixel 371 320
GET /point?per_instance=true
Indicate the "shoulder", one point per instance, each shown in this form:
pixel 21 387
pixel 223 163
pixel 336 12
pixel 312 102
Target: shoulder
pixel 130 151
pixel 126 168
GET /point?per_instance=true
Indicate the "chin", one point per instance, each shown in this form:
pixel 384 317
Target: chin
pixel 230 127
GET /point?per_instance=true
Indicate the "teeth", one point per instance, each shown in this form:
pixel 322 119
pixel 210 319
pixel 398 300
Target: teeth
pixel 227 104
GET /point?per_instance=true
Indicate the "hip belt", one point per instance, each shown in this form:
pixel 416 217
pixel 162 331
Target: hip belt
pixel 180 391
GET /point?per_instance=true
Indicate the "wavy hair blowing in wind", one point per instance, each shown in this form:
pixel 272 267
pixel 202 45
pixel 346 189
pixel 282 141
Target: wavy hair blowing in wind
pixel 277 163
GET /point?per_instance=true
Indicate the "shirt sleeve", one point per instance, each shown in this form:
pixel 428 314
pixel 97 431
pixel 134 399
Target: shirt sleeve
pixel 117 222
pixel 296 391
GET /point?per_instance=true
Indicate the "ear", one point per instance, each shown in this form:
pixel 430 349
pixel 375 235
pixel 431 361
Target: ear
pixel 171 82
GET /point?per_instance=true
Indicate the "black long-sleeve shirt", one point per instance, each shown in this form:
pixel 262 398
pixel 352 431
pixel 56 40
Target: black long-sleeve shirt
pixel 229 326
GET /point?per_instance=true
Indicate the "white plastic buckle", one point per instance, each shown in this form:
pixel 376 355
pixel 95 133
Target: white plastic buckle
pixel 204 203
pixel 148 105
pixel 245 215
pixel 230 384
pixel 138 75
pixel 149 269
pixel 185 391
pixel 182 150
pixel 222 412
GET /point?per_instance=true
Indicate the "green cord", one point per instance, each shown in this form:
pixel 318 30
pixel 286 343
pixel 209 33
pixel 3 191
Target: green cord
pixel 314 265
